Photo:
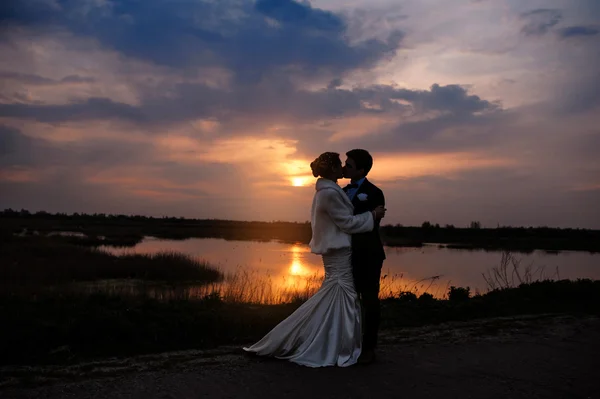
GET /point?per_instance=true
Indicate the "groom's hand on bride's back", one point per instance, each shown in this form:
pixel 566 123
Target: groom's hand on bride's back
pixel 379 212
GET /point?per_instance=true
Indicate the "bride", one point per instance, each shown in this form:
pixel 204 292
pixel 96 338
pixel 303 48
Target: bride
pixel 326 329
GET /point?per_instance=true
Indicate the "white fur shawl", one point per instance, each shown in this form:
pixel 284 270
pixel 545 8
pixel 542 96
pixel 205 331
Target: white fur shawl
pixel 332 218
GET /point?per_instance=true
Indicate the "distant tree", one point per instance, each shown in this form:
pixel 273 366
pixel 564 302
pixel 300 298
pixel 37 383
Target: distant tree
pixel 426 225
pixel 475 225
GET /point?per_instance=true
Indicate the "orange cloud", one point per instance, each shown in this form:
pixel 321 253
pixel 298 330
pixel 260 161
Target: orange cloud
pixel 389 167
pixel 19 175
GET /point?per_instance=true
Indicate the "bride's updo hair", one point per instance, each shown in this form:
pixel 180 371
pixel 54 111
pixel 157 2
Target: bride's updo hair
pixel 324 164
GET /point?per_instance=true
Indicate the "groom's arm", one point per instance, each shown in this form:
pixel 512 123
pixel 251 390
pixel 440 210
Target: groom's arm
pixel 378 199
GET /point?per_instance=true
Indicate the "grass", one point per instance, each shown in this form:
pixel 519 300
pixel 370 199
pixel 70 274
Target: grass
pixel 66 327
pixel 58 328
pixel 511 273
pixel 250 287
pixel 563 296
pixel 48 261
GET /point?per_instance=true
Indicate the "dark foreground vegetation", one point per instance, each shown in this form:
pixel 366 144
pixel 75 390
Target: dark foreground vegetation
pixel 39 261
pixel 124 230
pixel 47 318
pixel 58 328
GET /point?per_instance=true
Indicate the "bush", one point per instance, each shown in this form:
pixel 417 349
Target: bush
pixel 407 296
pixel 426 297
pixel 459 293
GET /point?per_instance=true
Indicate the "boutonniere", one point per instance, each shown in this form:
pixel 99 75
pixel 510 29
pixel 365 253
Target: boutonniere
pixel 362 197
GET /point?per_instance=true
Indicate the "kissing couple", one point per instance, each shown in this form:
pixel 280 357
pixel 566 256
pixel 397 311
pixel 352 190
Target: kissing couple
pixel 338 325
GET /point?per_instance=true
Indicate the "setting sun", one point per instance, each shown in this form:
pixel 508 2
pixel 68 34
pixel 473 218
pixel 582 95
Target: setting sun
pixel 299 181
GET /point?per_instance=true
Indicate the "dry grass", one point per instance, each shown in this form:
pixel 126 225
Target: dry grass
pixel 511 273
pixel 392 286
pixel 247 286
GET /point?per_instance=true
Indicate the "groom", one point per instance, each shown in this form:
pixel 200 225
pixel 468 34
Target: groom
pixel 367 249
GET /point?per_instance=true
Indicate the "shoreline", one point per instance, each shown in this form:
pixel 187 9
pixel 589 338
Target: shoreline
pixel 127 231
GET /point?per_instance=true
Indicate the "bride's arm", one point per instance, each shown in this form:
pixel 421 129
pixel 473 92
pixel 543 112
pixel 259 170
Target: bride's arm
pixel 342 215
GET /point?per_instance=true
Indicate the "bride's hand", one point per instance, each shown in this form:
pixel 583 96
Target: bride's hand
pixel 379 212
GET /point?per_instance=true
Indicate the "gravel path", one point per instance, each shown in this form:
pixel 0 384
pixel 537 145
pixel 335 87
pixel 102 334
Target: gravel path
pixel 548 356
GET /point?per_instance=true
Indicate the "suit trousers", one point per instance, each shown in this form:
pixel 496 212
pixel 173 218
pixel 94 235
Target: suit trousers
pixel 367 274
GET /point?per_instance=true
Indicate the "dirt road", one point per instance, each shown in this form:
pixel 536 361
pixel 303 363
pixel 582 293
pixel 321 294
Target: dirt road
pixel 549 356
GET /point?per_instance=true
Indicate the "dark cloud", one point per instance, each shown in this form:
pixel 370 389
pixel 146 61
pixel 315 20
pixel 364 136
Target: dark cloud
pixel 77 79
pixel 20 150
pixel 36 80
pixel 539 22
pixel 292 12
pixel 334 83
pixel 276 99
pixel 578 31
pixel 249 39
pixel 26 78
pixel 90 109
pixel 16 149
pixel 451 98
pixel 474 131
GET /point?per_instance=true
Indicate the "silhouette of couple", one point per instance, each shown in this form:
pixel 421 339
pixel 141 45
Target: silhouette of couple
pixel 338 325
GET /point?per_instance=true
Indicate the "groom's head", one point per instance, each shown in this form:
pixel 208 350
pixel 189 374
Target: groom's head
pixel 358 164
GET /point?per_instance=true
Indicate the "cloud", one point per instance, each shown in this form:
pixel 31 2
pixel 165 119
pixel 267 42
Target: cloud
pixel 90 109
pixel 87 171
pixel 578 31
pixel 37 80
pixel 77 79
pixel 26 78
pixel 288 11
pixel 539 22
pixel 18 150
pixel 237 35
pixel 284 101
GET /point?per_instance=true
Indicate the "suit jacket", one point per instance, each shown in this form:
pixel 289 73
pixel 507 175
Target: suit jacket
pixel 367 246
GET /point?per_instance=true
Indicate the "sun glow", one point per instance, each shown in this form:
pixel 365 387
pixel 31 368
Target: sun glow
pixel 297 267
pixel 299 181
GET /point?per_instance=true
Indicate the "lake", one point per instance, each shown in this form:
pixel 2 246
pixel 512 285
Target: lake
pixel 272 272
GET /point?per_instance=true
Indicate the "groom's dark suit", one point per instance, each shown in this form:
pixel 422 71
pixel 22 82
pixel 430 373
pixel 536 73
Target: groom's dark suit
pixel 367 259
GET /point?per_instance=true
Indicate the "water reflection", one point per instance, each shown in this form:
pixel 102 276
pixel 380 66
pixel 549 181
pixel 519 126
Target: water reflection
pixel 297 268
pixel 273 272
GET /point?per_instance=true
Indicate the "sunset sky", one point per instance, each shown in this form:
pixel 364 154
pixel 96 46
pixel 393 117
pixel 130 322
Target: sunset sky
pixel 483 110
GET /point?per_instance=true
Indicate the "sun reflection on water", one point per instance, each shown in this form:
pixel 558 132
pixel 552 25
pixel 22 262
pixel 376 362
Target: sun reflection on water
pixel 300 278
pixel 297 267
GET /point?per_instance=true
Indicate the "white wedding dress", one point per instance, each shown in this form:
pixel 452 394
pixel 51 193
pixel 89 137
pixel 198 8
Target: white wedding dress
pixel 326 329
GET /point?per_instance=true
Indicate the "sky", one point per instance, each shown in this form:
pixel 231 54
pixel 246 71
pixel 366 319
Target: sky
pixel 473 110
